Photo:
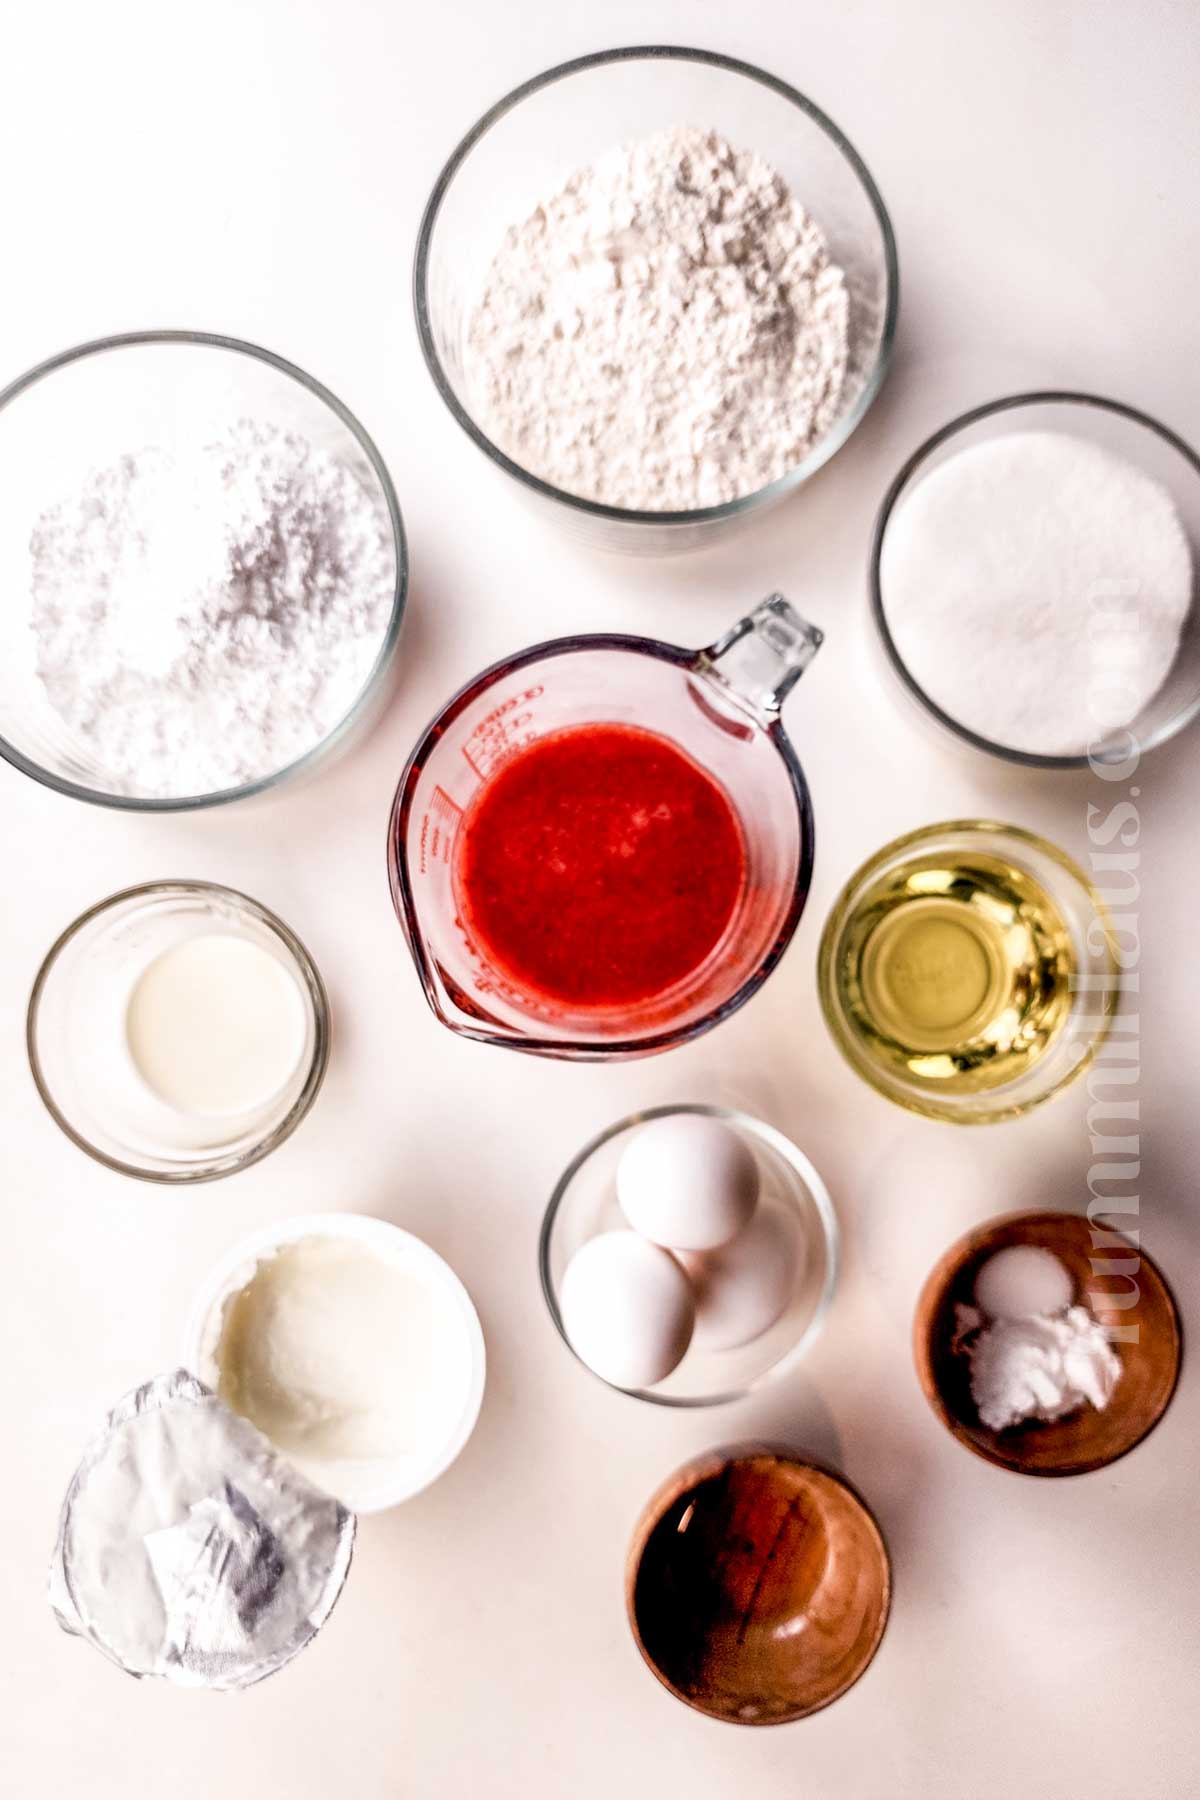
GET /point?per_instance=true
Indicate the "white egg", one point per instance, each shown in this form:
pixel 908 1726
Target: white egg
pixel 687 1182
pixel 742 1289
pixel 1023 1281
pixel 627 1309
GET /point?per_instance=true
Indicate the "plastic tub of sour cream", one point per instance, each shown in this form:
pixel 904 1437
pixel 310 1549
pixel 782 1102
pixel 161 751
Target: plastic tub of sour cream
pixel 351 1345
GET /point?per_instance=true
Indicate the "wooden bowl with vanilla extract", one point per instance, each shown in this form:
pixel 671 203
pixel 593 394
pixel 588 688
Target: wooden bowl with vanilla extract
pixel 757 1586
pixel 1123 1288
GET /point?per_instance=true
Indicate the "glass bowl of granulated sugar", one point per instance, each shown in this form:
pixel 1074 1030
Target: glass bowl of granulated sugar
pixel 203 567
pixel 1034 581
pixel 657 287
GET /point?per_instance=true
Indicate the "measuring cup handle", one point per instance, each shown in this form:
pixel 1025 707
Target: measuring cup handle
pixel 762 657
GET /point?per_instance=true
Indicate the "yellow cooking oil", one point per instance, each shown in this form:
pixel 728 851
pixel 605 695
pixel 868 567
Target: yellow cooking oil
pixel 956 971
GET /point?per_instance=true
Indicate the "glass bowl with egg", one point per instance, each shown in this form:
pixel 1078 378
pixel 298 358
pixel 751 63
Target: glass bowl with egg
pixel 178 1031
pixel 523 149
pixel 689 1254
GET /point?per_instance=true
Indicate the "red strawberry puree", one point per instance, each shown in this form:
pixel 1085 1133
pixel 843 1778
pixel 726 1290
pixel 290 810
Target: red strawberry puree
pixel 598 866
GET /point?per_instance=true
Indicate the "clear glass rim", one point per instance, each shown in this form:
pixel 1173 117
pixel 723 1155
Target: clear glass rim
pixel 833 440
pixel 791 1154
pixel 223 796
pixel 975 1109
pixel 407 911
pixel 910 468
pixel 280 1132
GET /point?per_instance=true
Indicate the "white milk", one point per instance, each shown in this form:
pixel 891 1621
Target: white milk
pixel 215 1025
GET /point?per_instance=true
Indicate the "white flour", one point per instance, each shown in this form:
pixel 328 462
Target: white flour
pixel 202 621
pixel 665 332
pixel 1035 585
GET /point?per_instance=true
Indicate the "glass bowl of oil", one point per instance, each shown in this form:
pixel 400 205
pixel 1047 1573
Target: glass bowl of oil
pixel 967 971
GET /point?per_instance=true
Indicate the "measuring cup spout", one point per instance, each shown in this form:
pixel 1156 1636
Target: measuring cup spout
pixel 760 659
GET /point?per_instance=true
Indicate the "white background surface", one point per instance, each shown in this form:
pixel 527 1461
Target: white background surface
pixel 258 167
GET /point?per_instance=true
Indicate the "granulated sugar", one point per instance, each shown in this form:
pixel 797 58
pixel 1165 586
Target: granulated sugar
pixel 1035 586
pixel 664 332
pixel 203 620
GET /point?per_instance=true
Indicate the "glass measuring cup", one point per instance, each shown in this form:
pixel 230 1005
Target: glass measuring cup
pixel 720 705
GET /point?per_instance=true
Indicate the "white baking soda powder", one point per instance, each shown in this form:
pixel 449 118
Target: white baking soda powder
pixel 1034 1354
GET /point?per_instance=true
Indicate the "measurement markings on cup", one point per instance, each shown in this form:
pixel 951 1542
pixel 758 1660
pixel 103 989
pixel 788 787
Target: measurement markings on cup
pixel 438 828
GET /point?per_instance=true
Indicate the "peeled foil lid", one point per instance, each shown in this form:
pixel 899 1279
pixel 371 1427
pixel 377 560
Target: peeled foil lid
pixel 189 1548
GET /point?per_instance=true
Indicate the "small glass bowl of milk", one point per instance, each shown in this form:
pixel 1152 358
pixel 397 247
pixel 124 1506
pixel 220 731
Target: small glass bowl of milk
pixel 178 1031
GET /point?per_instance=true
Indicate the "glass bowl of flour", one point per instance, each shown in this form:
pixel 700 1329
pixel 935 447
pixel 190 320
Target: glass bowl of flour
pixel 1034 577
pixel 203 567
pixel 658 288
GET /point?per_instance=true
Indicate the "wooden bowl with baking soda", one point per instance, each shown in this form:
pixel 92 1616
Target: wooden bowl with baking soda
pixel 1124 1290
pixel 757 1586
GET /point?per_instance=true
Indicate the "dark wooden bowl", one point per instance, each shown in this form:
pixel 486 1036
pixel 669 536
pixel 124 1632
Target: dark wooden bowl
pixel 1101 1263
pixel 757 1586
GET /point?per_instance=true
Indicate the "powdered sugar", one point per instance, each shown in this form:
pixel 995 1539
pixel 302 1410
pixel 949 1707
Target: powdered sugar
pixel 203 620
pixel 665 332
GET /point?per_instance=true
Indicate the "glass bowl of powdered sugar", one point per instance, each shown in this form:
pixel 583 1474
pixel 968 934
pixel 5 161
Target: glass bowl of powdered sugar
pixel 203 568
pixel 657 287
pixel 1034 580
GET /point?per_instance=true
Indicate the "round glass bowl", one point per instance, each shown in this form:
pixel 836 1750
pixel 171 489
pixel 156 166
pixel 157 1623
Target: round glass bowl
pixel 79 1051
pixel 584 1204
pixel 84 411
pixel 929 1080
pixel 526 144
pixel 366 1484
pixel 1123 432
